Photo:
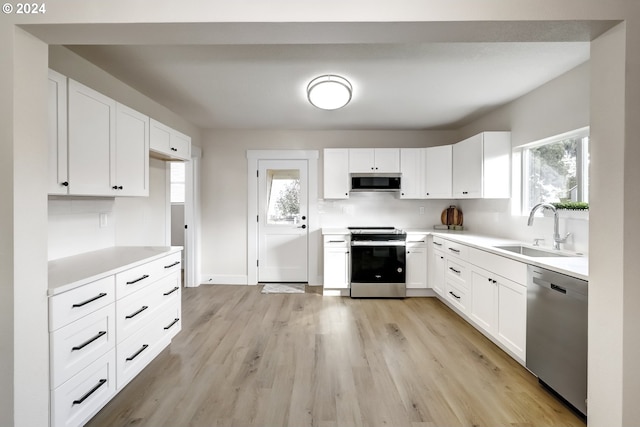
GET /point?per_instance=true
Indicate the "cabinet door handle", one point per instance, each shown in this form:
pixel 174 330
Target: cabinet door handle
pixel 83 303
pixel 65 184
pixel 89 341
pixel 172 265
pixel 146 276
pixel 174 149
pixel 137 353
pixel 454 270
pixel 132 315
pixel 465 192
pixel 171 291
pixel 454 250
pixel 90 392
pixel 454 295
pixel 176 320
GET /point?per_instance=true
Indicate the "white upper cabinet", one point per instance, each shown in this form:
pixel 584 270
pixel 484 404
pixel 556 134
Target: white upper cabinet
pixel 58 173
pixel 438 166
pixel 482 166
pixel 92 133
pixel 108 145
pixel 412 168
pixel 336 173
pixel 376 160
pixel 132 153
pixel 168 143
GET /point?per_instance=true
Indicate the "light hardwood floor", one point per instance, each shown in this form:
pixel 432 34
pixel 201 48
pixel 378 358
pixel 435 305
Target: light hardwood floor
pixel 248 359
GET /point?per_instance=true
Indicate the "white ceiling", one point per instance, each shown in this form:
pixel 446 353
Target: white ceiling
pixel 408 85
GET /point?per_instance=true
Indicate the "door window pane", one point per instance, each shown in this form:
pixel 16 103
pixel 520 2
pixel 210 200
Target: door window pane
pixel 283 195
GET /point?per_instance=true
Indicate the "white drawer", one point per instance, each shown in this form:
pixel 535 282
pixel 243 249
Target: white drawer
pixel 135 353
pixel 457 296
pixel 170 321
pixel 77 345
pixel 417 238
pixel 497 264
pixel 72 305
pixel 457 250
pixel 168 290
pixel 82 396
pixel 135 311
pixel 138 277
pixel 336 241
pixel 457 271
pixel 438 243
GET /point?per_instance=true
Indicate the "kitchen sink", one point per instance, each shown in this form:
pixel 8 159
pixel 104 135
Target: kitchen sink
pixel 532 252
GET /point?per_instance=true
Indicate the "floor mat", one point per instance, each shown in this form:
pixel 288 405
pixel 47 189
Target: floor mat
pixel 283 288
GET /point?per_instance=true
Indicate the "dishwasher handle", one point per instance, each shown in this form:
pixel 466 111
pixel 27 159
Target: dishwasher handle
pixel 558 289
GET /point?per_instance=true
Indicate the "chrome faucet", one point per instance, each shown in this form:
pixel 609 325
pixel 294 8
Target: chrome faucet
pixel 556 235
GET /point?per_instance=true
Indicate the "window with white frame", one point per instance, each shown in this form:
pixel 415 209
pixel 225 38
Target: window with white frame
pixel 177 178
pixel 556 169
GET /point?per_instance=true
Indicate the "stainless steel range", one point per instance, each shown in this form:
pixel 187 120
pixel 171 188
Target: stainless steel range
pixel 378 259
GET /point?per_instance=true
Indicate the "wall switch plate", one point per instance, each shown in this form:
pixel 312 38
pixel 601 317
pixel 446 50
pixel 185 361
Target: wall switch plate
pixel 104 220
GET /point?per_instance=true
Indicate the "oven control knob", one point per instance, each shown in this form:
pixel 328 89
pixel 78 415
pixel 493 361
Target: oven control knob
pixel 399 269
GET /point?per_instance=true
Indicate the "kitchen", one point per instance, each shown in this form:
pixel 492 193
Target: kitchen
pixel 254 138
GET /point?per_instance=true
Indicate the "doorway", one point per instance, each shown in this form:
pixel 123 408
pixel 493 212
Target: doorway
pixel 277 241
pixel 282 221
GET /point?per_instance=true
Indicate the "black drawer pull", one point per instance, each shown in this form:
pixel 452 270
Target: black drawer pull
pixel 171 291
pixel 454 250
pixel 454 270
pixel 137 353
pixel 437 244
pixel 172 265
pixel 80 304
pixel 132 315
pixel 90 392
pixel 176 320
pixel 454 295
pixel 146 276
pixel 89 341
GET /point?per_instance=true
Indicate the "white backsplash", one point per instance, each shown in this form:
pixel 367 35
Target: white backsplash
pixel 494 218
pixel 74 225
pixel 380 209
pixel 488 217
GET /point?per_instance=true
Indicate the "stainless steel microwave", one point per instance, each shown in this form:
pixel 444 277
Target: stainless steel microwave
pixel 375 182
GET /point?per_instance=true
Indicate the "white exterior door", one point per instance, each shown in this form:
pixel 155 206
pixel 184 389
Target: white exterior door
pixel 283 221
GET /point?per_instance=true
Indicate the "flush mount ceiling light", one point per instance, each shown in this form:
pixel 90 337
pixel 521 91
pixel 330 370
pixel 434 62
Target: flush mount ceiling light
pixel 329 92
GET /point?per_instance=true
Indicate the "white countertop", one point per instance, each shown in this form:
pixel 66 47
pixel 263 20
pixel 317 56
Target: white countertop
pixel 71 272
pixel 576 266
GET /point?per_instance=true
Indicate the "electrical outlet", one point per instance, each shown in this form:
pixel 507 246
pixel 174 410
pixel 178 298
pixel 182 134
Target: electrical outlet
pixel 421 210
pixel 104 220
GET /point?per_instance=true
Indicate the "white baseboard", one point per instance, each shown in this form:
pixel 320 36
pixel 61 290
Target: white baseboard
pixel 421 293
pixel 223 279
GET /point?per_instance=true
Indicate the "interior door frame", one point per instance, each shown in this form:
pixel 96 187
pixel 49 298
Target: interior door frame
pixel 253 157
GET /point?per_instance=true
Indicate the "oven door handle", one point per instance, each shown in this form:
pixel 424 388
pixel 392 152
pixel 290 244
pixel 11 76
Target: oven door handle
pixel 374 243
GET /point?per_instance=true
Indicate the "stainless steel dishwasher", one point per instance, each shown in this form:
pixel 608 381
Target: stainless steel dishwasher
pixel 557 333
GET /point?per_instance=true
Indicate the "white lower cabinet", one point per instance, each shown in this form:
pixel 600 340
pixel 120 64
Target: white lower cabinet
pixel 512 316
pixel 82 396
pixel 416 261
pixel 489 290
pixel 499 307
pixel 102 337
pixel 336 261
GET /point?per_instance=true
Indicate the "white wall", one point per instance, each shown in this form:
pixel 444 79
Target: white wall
pixel 224 188
pixel 557 107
